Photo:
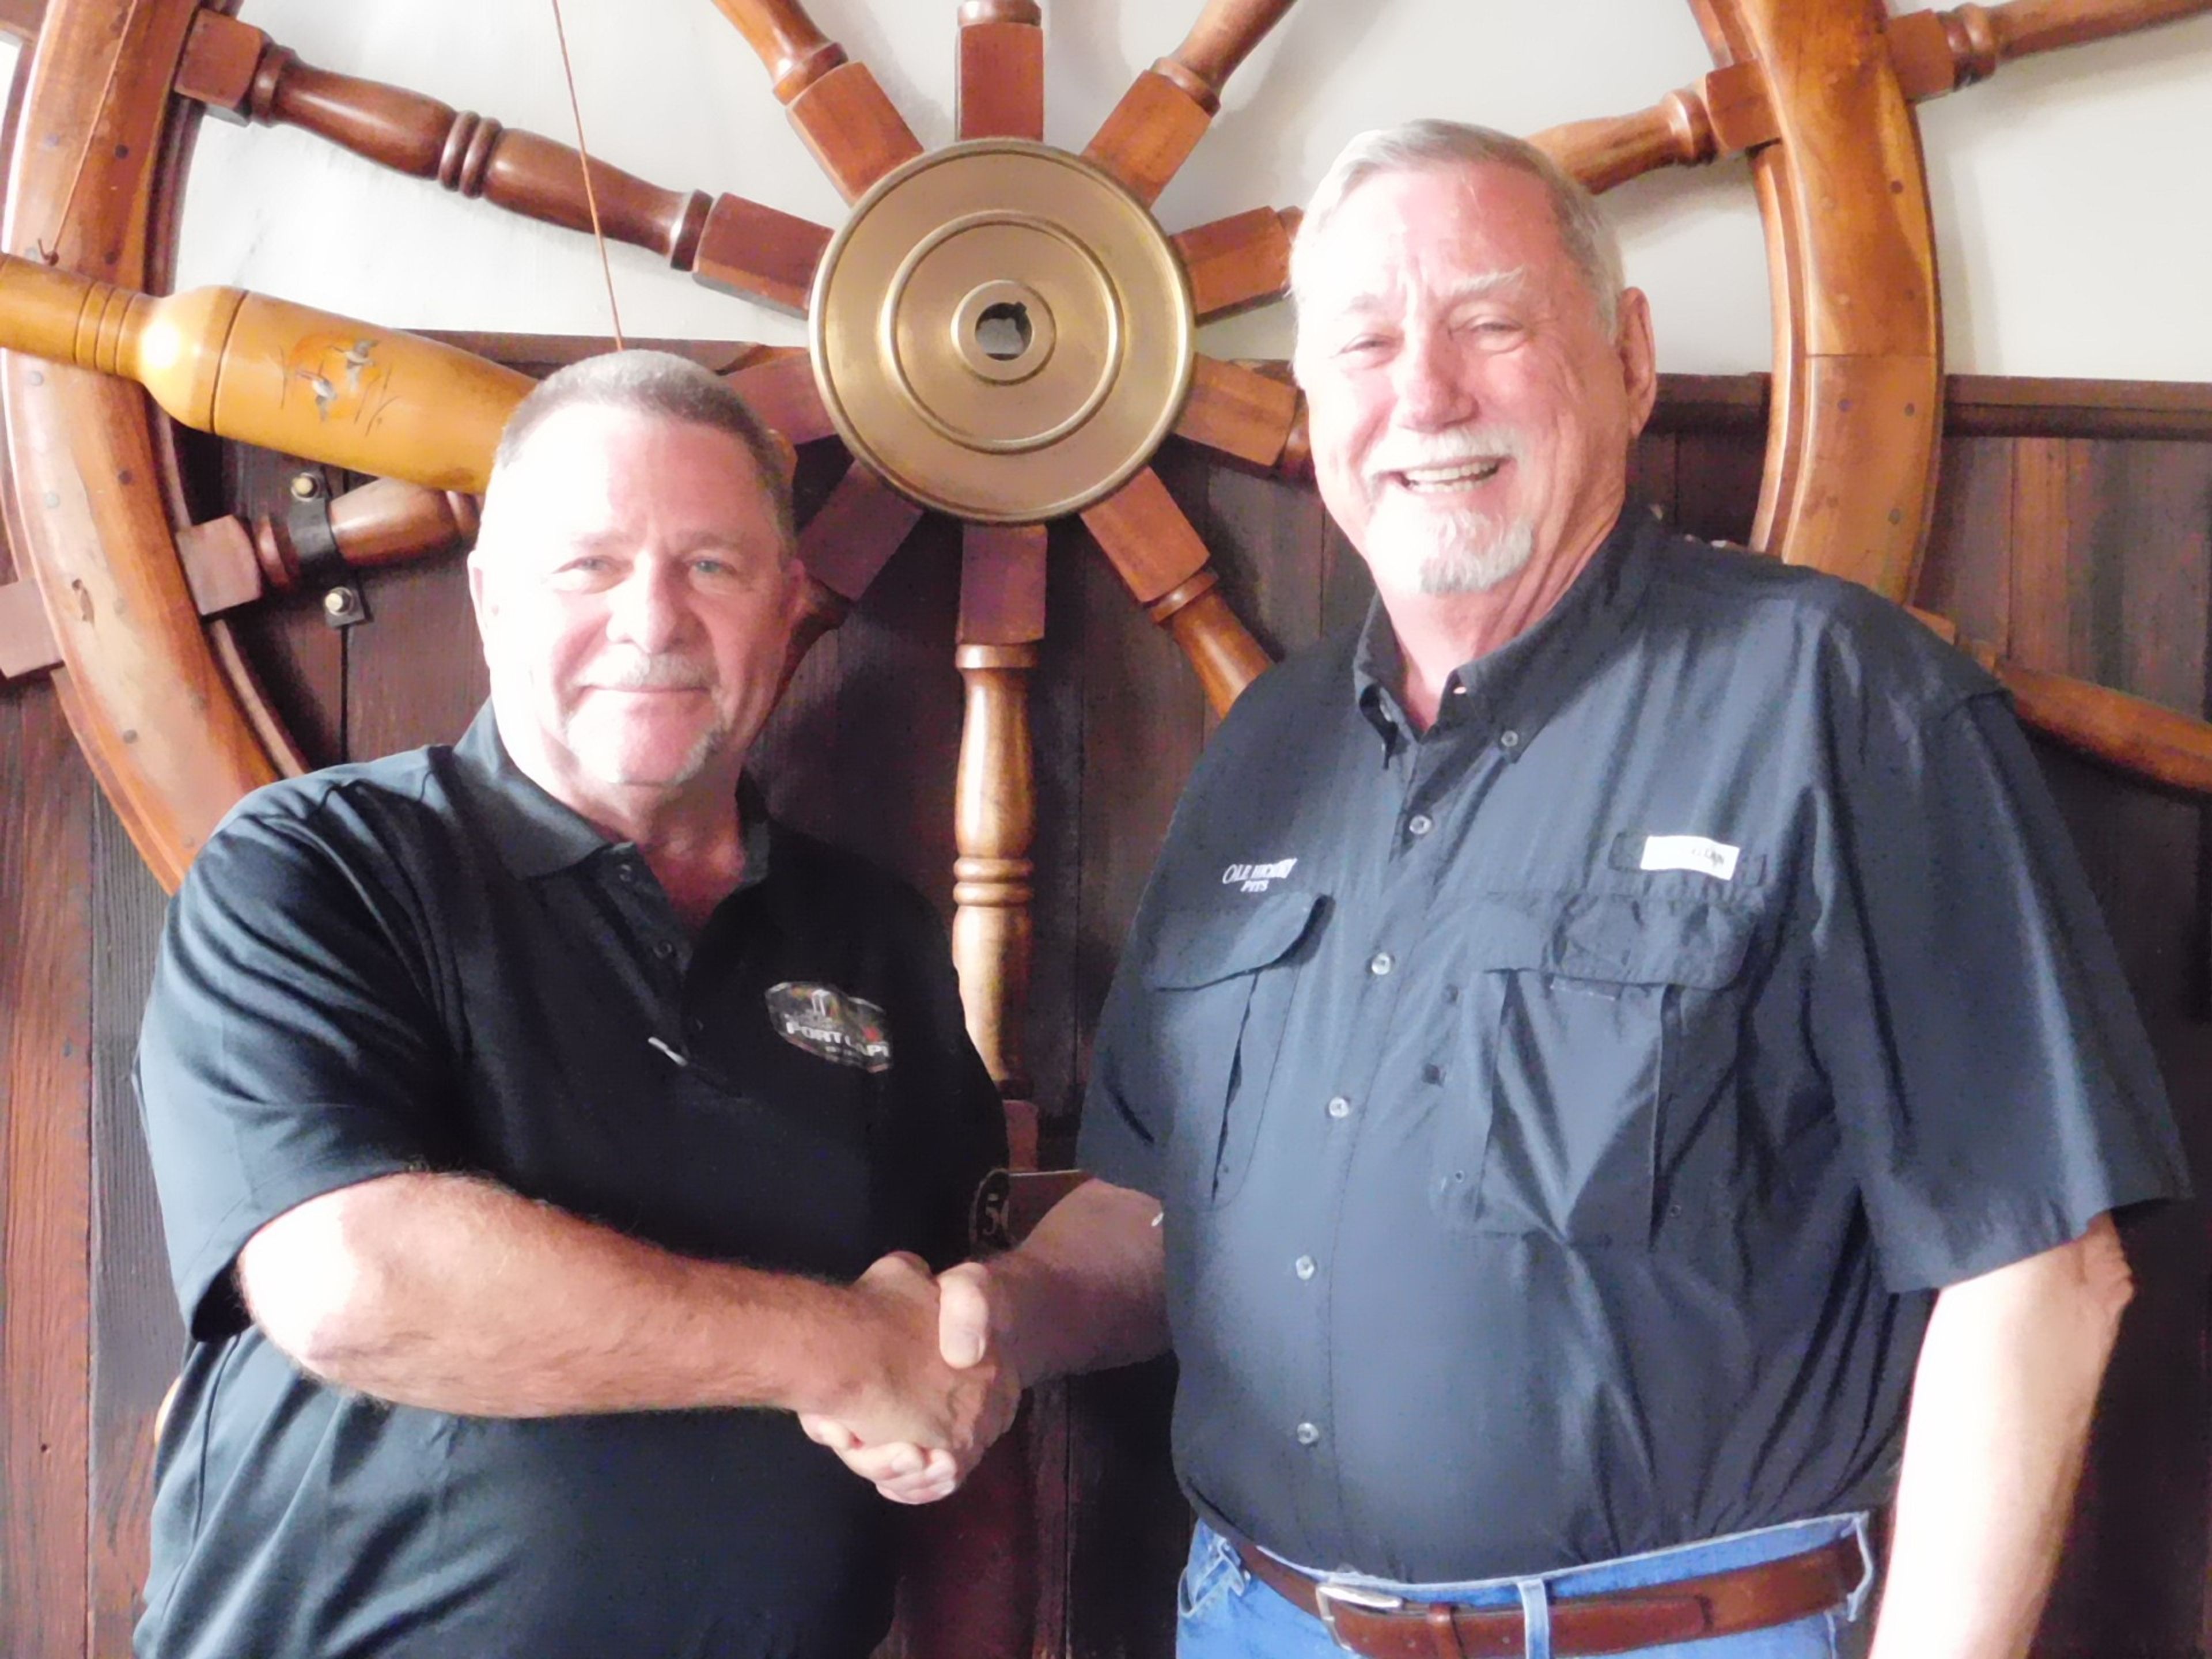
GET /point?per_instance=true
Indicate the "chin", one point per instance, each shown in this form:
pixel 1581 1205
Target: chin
pixel 1439 554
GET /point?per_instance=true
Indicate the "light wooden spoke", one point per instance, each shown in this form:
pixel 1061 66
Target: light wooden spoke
pixel 1002 584
pixel 995 797
pixel 1939 51
pixel 836 104
pixel 2138 735
pixel 782 393
pixel 1002 83
pixel 1723 114
pixel 242 75
pixel 1238 411
pixel 846 544
pixel 1159 557
pixel 1152 133
pixel 304 382
pixel 1239 262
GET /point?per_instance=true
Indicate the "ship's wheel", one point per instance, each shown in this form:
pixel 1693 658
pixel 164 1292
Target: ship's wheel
pixel 999 331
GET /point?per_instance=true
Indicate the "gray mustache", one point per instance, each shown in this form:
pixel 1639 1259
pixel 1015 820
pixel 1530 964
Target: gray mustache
pixel 661 673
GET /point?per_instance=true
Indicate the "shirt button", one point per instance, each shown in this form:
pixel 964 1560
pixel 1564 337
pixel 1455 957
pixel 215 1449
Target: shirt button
pixel 1509 739
pixel 1419 824
pixel 695 1025
pixel 1339 1107
pixel 1304 1266
pixel 664 950
pixel 1381 963
pixel 1308 1434
pixel 1452 993
pixel 1433 1074
pixel 625 874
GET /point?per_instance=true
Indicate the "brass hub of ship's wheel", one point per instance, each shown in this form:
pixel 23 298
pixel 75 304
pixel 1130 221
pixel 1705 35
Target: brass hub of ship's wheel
pixel 1002 331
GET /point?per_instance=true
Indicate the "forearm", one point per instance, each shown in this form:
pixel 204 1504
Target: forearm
pixel 455 1294
pixel 1086 1289
pixel 2002 1402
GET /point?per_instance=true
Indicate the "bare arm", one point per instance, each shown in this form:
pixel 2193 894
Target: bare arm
pixel 456 1294
pixel 1086 1290
pixel 2000 1419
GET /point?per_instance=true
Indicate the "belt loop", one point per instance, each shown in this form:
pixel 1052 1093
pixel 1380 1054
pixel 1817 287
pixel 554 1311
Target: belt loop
pixel 1854 1603
pixel 1535 1618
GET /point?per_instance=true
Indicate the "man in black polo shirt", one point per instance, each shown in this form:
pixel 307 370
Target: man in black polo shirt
pixel 537 1125
pixel 1607 1038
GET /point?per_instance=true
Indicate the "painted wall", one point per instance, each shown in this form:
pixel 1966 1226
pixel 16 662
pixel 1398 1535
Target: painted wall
pixel 2073 218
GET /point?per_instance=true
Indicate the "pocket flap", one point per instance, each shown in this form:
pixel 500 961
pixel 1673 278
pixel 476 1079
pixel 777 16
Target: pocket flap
pixel 1205 943
pixel 1626 938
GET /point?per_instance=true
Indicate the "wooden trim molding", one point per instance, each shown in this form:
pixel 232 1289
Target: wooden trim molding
pixel 1974 406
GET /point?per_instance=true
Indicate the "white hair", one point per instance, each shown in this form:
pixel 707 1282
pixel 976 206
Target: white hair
pixel 1419 146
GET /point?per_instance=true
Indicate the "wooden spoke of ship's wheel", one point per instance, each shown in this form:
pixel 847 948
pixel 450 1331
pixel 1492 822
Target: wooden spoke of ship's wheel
pixel 835 103
pixel 1150 133
pixel 1239 262
pixel 729 243
pixel 1000 87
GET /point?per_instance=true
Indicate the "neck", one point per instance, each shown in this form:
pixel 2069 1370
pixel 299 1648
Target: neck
pixel 689 834
pixel 1438 632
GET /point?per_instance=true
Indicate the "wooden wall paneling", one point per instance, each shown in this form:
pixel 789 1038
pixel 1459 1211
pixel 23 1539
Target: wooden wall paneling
pixel 1651 470
pixel 138 1335
pixel 1714 473
pixel 899 700
pixel 2039 612
pixel 1144 720
pixel 2111 557
pixel 1967 573
pixel 298 658
pixel 802 792
pixel 414 672
pixel 1346 589
pixel 1268 537
pixel 1056 711
pixel 45 1199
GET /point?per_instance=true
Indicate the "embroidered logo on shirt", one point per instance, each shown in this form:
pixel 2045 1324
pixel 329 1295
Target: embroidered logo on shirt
pixel 1708 857
pixel 1254 877
pixel 826 1023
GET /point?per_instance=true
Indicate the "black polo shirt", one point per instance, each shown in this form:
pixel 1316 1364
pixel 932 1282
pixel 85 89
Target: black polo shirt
pixel 1563 1116
pixel 426 962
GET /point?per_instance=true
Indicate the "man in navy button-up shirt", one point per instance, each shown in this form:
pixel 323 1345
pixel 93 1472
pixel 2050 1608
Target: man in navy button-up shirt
pixel 1618 1047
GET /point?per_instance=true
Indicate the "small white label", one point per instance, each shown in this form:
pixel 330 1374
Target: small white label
pixel 1708 857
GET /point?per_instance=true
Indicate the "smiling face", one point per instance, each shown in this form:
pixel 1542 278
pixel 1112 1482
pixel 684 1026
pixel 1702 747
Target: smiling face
pixel 1469 414
pixel 635 603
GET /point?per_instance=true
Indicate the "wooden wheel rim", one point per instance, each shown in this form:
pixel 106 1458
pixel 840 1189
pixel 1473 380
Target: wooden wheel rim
pixel 123 618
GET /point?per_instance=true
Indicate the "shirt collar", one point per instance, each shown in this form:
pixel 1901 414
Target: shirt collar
pixel 538 835
pixel 1520 685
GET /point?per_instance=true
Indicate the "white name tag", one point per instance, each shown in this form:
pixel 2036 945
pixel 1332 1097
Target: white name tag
pixel 1708 857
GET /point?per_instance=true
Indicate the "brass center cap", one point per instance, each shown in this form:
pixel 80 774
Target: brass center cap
pixel 1002 331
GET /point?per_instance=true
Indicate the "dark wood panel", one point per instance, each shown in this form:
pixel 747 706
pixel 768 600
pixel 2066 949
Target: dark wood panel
pixel 46 1166
pixel 138 1335
pixel 415 674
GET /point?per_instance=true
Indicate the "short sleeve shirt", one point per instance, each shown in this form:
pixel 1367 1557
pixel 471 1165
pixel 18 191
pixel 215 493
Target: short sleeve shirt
pixel 427 963
pixel 1563 1115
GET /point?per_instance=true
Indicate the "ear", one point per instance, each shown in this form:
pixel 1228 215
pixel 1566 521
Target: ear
pixel 1639 364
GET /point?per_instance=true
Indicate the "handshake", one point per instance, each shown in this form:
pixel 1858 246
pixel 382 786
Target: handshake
pixel 929 1382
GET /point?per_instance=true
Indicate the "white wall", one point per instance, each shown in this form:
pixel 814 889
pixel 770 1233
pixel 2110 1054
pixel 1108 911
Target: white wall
pixel 2074 215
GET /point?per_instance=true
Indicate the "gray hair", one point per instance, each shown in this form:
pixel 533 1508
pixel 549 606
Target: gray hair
pixel 1445 145
pixel 662 384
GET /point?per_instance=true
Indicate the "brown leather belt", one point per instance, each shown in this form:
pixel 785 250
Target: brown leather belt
pixel 1729 1603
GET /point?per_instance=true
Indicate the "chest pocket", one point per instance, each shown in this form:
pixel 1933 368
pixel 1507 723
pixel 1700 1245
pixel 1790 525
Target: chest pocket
pixel 1584 1008
pixel 1222 977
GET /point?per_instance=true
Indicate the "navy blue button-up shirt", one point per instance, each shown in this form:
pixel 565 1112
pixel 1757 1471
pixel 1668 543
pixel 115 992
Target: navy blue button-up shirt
pixel 1563 1115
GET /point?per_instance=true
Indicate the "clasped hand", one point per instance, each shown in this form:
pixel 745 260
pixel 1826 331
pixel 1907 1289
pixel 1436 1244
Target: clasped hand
pixel 933 1393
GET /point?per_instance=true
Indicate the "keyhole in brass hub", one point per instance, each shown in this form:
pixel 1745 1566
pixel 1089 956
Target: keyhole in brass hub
pixel 1002 330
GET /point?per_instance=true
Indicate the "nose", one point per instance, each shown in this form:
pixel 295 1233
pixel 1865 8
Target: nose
pixel 649 608
pixel 1431 389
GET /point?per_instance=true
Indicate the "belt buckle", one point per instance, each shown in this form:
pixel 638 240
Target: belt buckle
pixel 1328 1594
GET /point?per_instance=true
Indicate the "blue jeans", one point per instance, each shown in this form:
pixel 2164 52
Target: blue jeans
pixel 1226 1613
